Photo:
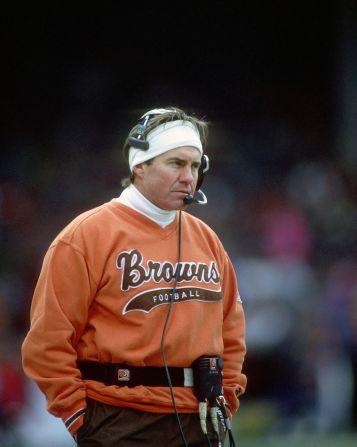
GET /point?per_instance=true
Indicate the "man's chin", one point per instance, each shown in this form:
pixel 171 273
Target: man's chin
pixel 176 205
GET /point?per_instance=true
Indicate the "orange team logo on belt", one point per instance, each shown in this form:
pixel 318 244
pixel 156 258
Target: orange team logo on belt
pixel 123 375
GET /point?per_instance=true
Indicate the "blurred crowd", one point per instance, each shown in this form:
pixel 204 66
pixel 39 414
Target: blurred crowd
pixel 293 238
pixel 289 225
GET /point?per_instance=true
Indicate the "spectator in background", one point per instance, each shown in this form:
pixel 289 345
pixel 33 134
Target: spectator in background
pixel 279 284
pixel 12 384
pixel 336 348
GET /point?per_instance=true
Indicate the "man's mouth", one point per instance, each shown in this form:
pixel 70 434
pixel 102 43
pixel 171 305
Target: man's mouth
pixel 182 192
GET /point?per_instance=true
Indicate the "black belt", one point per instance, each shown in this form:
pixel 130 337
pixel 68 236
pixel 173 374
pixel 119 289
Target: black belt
pixel 121 374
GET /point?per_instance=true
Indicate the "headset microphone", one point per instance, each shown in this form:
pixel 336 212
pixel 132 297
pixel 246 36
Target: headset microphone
pixel 198 197
pixel 189 199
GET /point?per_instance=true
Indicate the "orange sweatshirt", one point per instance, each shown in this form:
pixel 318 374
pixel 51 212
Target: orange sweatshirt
pixel 102 295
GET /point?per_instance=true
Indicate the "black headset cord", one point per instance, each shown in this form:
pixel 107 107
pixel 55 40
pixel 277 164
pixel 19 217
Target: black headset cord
pixel 164 334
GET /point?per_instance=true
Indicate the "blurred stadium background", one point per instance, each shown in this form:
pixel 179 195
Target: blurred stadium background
pixel 278 81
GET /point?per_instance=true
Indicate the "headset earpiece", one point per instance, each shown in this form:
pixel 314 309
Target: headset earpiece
pixel 204 167
pixel 199 196
pixel 139 142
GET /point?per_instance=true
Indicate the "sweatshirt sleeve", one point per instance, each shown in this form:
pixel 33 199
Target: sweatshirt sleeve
pixel 234 381
pixel 58 314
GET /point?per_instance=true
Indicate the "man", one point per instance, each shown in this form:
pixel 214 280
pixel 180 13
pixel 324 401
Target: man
pixel 133 298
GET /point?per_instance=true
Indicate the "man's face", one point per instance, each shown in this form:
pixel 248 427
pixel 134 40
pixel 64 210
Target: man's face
pixel 169 177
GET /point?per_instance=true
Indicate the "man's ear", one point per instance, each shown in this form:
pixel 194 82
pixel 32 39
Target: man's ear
pixel 138 170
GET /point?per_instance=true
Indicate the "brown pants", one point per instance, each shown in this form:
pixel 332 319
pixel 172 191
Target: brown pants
pixel 109 426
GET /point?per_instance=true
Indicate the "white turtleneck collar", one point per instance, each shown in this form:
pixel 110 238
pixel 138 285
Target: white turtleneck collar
pixel 132 198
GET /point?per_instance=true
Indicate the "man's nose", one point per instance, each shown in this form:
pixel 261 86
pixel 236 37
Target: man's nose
pixel 187 175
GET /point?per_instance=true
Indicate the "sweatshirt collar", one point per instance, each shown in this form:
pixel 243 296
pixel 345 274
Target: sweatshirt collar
pixel 132 198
